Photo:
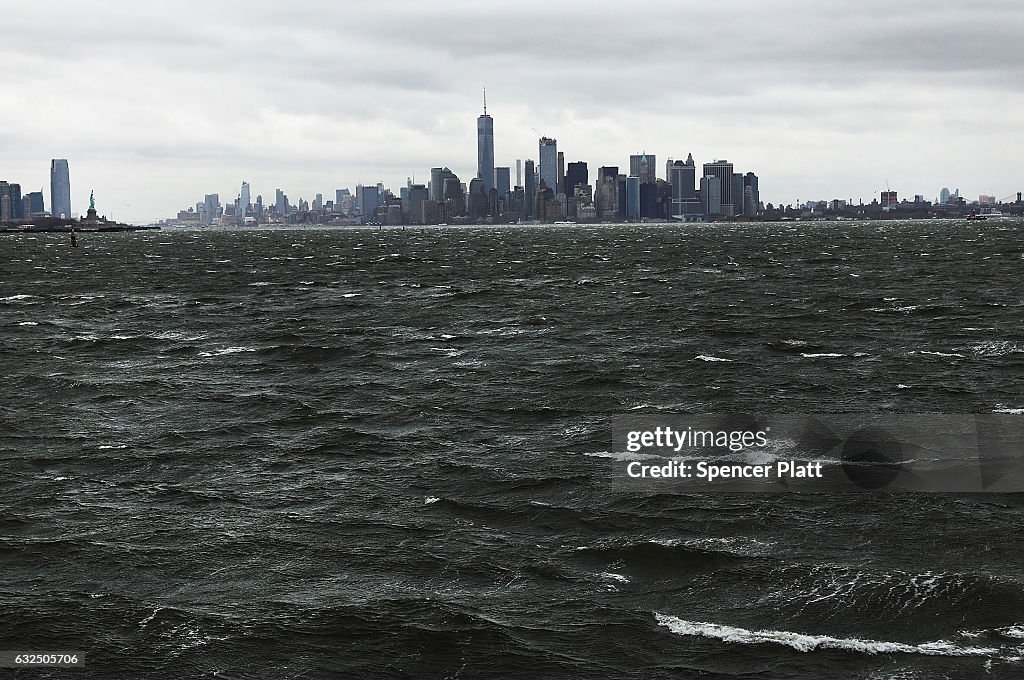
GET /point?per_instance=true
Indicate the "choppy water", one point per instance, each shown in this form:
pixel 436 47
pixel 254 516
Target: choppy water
pixel 356 453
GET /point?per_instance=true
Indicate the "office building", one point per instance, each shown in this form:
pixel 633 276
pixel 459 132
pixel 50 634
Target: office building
pixel 530 186
pixel 418 197
pixel 632 198
pixel 723 171
pixel 503 181
pixel 34 204
pixel 642 166
pixel 711 194
pixel 548 150
pixel 560 177
pixel 369 198
pixel 11 205
pixel 576 175
pixel 750 181
pixel 60 188
pixel 683 178
pixel 244 200
pixel 485 148
pixel 737 193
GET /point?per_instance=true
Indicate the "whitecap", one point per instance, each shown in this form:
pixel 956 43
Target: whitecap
pixel 809 643
pixel 351 295
pixel 227 350
pixel 821 355
pixel 103 447
pixel 1014 411
pixel 613 576
pixel 13 298
pixel 942 354
pixel 706 357
pixel 28 323
pixel 431 499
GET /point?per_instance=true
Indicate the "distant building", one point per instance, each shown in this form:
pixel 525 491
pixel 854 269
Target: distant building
pixel 683 178
pixel 575 175
pixel 454 197
pixel 34 204
pixel 11 205
pixel 548 149
pixel 485 148
pixel 210 211
pixel 632 198
pixel 503 181
pixel 750 182
pixel 369 198
pixel 711 194
pixel 418 197
pixel 530 187
pixel 642 166
pixel 244 200
pixel 888 199
pixel 986 200
pixel 60 188
pixel 477 199
pixel 438 177
pixel 944 195
pixel 723 171
pixel 561 174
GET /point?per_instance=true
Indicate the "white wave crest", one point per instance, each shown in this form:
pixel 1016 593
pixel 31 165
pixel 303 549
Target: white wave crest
pixel 810 643
pixel 705 357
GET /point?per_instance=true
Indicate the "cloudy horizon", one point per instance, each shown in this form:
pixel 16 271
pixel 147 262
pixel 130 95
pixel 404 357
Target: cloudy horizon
pixel 156 105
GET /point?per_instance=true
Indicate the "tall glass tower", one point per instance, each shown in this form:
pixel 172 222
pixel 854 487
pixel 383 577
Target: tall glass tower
pixel 548 149
pixel 485 148
pixel 60 188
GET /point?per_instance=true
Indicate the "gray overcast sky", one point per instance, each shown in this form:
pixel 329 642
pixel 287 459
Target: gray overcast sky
pixel 157 103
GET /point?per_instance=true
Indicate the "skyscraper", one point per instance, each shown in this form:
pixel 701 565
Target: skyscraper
pixel 711 194
pixel 60 188
pixel 575 175
pixel 549 162
pixel 750 181
pixel 530 185
pixel 642 166
pixel 244 199
pixel 723 171
pixel 485 148
pixel 683 176
pixel 11 205
pixel 632 198
pixel 560 189
pixel 503 181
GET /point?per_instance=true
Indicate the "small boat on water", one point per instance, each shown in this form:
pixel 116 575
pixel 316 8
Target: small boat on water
pixel 981 217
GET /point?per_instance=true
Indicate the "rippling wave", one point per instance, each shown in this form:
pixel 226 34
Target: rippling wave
pixel 362 453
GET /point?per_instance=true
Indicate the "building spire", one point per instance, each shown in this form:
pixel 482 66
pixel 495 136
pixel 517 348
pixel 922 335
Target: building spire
pixel 485 100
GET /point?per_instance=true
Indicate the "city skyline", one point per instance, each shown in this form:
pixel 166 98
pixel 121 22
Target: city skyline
pixel 823 102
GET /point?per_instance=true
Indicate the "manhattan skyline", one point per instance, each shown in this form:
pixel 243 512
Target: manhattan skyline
pixel 153 108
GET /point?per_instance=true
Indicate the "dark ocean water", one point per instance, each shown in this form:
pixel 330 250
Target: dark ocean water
pixel 385 454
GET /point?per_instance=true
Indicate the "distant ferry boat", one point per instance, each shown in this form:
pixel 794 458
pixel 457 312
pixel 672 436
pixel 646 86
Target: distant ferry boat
pixel 993 215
